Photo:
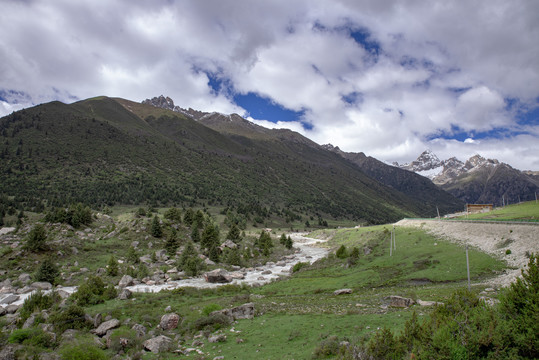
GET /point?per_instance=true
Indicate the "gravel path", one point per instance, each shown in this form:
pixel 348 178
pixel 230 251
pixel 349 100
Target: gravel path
pixel 494 239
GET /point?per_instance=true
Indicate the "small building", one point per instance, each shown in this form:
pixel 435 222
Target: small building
pixel 478 208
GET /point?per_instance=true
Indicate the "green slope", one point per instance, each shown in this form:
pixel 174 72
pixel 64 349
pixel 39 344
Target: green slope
pixel 113 151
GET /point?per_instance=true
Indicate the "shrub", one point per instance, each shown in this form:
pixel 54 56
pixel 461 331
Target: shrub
pixel 37 301
pixel 47 271
pixel 208 309
pixel 341 252
pixel 84 351
pixel 112 266
pixel 327 347
pixel 298 266
pixel 93 291
pixel 37 239
pixel 508 252
pixel 156 230
pixel 212 322
pixel 123 339
pixel 71 317
pixel 33 336
pixel 173 214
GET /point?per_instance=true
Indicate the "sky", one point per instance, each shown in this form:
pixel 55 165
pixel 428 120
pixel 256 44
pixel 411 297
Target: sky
pixel 387 78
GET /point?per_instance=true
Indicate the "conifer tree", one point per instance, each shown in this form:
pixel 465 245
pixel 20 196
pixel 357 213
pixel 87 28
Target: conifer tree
pixel 156 227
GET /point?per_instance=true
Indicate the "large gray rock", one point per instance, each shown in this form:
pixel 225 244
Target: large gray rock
pixel 9 299
pixel 217 276
pixel 125 281
pixel 342 291
pixel 25 278
pixel 245 311
pixel 42 285
pixel 125 294
pixel 169 321
pixel 399 301
pixel 158 344
pixel 8 353
pixel 139 329
pixel 106 326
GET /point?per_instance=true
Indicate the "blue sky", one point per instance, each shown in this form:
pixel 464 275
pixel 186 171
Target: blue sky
pixel 386 78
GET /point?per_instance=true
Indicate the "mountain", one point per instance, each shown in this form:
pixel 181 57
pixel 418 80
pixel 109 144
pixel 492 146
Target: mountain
pixel 105 151
pixel 477 180
pixel 411 184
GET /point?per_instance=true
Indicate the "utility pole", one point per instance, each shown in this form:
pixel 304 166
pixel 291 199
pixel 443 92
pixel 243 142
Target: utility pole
pixel 536 197
pixel 503 201
pixel 394 239
pixel 468 268
pixel 438 211
pixel 391 245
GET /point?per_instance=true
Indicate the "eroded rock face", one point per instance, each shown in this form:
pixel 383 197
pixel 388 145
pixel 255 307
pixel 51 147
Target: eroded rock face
pixel 158 344
pixel 399 301
pixel 169 321
pixel 245 311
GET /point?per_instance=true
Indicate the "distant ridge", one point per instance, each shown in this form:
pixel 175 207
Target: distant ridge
pixel 477 180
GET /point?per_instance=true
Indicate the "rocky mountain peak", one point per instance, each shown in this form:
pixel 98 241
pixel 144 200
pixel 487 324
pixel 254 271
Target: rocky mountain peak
pixel 427 161
pixel 161 102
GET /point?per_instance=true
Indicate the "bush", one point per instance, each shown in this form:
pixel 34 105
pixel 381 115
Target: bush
pixel 156 227
pixel 93 291
pixel 85 351
pixel 33 336
pixel 123 339
pixel 112 266
pixel 327 347
pixel 71 317
pixel 341 252
pixel 173 214
pixel 212 322
pixel 298 266
pixel 47 271
pixel 75 215
pixel 37 301
pixel 37 239
pixel 208 309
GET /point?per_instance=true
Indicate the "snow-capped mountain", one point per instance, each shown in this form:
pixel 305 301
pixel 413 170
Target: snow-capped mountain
pixel 477 179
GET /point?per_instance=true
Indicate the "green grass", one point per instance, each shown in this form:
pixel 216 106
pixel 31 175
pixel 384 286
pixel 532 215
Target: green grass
pixel 528 211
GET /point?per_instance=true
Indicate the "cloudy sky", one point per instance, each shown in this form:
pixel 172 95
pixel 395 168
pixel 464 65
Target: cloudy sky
pixel 388 78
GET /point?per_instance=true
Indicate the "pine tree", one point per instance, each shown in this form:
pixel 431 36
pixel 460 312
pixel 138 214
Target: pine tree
pixel 37 239
pixel 282 239
pixel 112 267
pixel 47 271
pixel 172 244
pixel 289 243
pixel 156 227
pixel 234 233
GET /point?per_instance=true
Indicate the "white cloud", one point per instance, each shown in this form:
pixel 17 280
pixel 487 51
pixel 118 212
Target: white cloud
pixel 443 67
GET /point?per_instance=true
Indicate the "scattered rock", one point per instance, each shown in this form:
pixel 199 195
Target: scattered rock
pixel 106 326
pixel 140 330
pixel 98 320
pixel 228 244
pixel 9 299
pixel 217 338
pixel 12 308
pixel 24 278
pixel 158 344
pixel 169 321
pixel 42 285
pixel 125 281
pixel 2 311
pixel 245 311
pixel 69 335
pixel 217 276
pixel 8 353
pixel 399 301
pixel 236 275
pixel 342 291
pixel 266 272
pixel 428 303
pixel 125 294
pixel 168 309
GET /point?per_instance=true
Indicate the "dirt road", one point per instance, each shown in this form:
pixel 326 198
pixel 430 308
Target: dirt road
pixel 494 239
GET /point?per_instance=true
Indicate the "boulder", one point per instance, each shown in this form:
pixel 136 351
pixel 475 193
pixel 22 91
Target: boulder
pixel 24 278
pixel 8 353
pixel 215 338
pixel 158 344
pixel 9 299
pixel 342 291
pixel 428 303
pixel 125 294
pixel 245 311
pixel 169 321
pixel 42 285
pixel 125 281
pixel 106 326
pixel 228 244
pixel 236 275
pixel 140 330
pixel 399 301
pixel 217 276
pixel 2 311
